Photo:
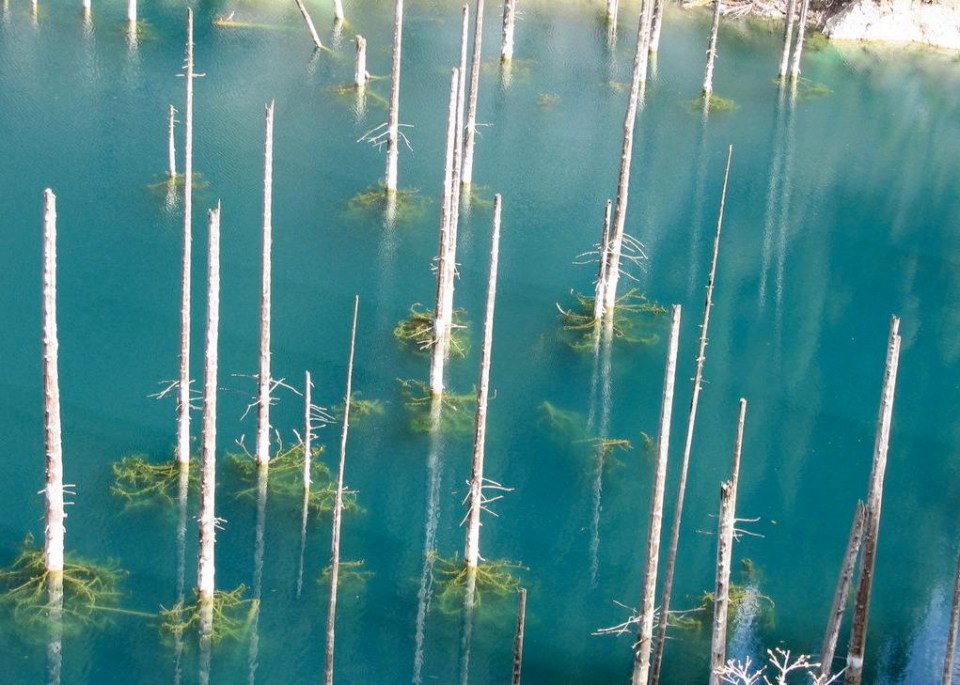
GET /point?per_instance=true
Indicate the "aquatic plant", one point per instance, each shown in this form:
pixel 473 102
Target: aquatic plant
pixel 715 105
pixel 405 204
pixel 547 99
pixel 142 483
pixel 632 315
pixel 351 573
pixel 415 332
pixel 233 615
pixel 359 408
pixel 494 580
pixel 457 410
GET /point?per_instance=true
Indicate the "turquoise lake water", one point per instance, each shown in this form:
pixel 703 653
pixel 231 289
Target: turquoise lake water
pixel 842 210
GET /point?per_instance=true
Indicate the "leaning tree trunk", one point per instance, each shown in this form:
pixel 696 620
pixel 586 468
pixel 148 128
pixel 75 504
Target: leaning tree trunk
pixel 952 632
pixel 393 118
pixel 310 27
pixel 829 647
pixel 798 48
pixel 688 442
pixel 472 549
pixel 711 51
pixel 53 444
pixel 338 507
pixel 788 21
pixel 470 133
pixel 264 380
pixel 728 518
pixel 858 633
pixel 506 38
pixel 360 72
pixel 641 667
pixel 183 396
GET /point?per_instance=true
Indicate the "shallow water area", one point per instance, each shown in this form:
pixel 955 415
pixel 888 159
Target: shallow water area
pixel 842 209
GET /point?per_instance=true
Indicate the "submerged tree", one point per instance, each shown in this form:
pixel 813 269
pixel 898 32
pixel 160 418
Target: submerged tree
pixel 393 122
pixel 470 133
pixel 264 380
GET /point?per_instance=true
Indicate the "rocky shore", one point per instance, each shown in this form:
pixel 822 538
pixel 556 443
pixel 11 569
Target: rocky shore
pixel 900 21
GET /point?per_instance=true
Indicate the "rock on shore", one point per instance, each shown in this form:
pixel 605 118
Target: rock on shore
pixel 902 21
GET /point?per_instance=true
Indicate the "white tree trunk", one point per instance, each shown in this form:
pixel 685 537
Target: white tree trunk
pixel 264 379
pixel 656 26
pixel 171 145
pixel 858 633
pixel 87 7
pixel 688 442
pixel 843 590
pixel 641 667
pixel 393 121
pixel 132 11
pixel 307 431
pixel 952 631
pixel 712 50
pixel 798 47
pixel 506 39
pixel 466 174
pixel 53 444
pixel 337 10
pixel 598 296
pixel 790 16
pixel 613 8
pixel 338 507
pixel 472 549
pixel 183 397
pixel 310 27
pixel 208 469
pixel 518 635
pixel 55 618
pixel 360 73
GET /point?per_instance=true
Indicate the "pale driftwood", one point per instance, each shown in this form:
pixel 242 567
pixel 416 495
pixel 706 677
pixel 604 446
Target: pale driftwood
pixel 183 394
pixel 338 507
pixel 948 657
pixel 858 632
pixel 206 585
pixel 472 549
pixel 725 532
pixel 712 51
pixel 310 27
pixel 509 22
pixel 338 11
pixel 641 666
pixel 446 252
pixel 829 647
pixel 790 17
pixel 798 46
pixel 518 635
pixel 171 144
pixel 264 380
pixel 360 72
pixel 470 133
pixel 688 442
pixel 52 436
pixel 393 117
pixel 598 302
pixel 656 26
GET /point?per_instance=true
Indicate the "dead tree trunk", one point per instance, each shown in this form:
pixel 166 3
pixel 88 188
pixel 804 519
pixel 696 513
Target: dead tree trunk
pixel 338 506
pixel 711 51
pixel 132 11
pixel 518 635
pixel 360 73
pixel 87 8
pixel 257 590
pixel 55 618
pixel 858 633
pixel 458 144
pixel 798 47
pixel 604 265
pixel 393 120
pixel 788 21
pixel 843 590
pixel 688 442
pixel 472 550
pixel 264 381
pixel 470 133
pixel 728 518
pixel 656 26
pixel 310 27
pixel 613 8
pixel 446 252
pixel 53 443
pixel 171 145
pixel 506 38
pixel 952 632
pixel 183 396
pixel 208 473
pixel 337 11
pixel 641 667
pixel 307 431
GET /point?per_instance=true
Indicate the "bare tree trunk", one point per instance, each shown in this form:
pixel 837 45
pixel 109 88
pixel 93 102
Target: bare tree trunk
pixel 360 73
pixel 641 667
pixel 472 550
pixel 518 635
pixel 613 7
pixel 338 506
pixel 264 380
pixel 87 8
pixel 598 301
pixel 656 26
pixel 338 10
pixel 393 122
pixel 728 518
pixel 310 27
pixel 458 144
pixel 307 431
pixel 790 17
pixel 466 174
pixel 688 442
pixel 858 634
pixel 53 442
pixel 798 48
pixel 183 397
pixel 843 590
pixel 441 324
pixel 171 145
pixel 208 470
pixel 258 550
pixel 712 51
pixel 132 11
pixel 506 39
pixel 948 658
pixel 55 618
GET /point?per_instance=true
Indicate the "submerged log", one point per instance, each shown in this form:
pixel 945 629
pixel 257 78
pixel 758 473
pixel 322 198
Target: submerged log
pixel 183 394
pixel 338 507
pixel 470 133
pixel 310 27
pixel 506 38
pixel 264 380
pixel 393 117
pixel 843 590
pixel 858 633
pixel 641 666
pixel 688 442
